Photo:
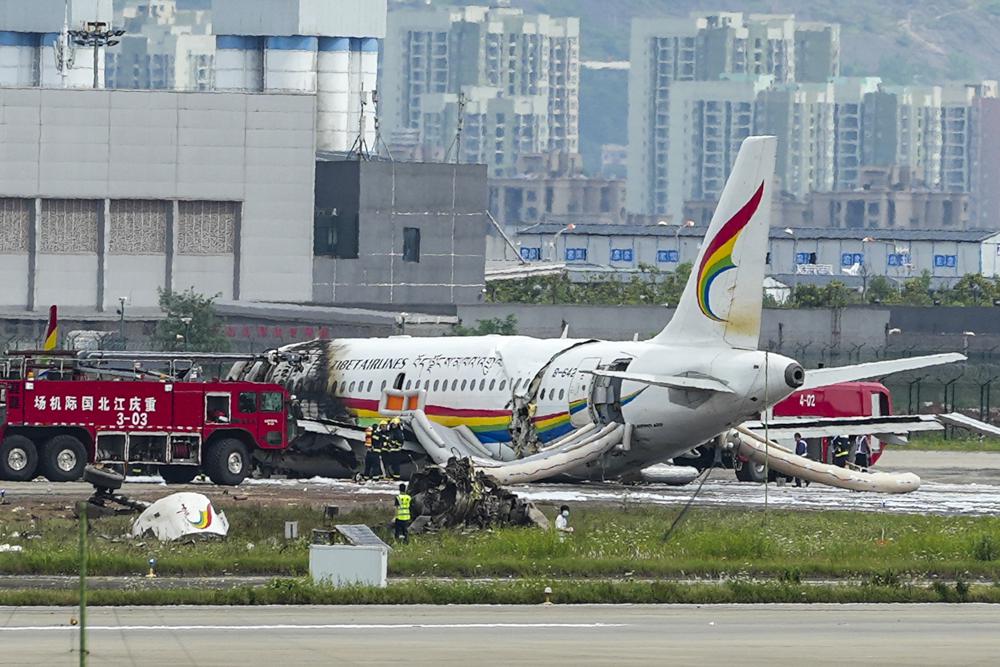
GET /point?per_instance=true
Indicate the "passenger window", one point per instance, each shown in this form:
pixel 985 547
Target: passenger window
pixel 369 390
pixel 493 384
pixel 351 388
pixel 517 385
pixel 562 394
pixel 543 394
pixel 384 383
pixel 464 384
pixel 248 402
pixel 482 385
pixel 409 383
pixel 270 401
pixel 454 384
pixel 503 385
pixel 436 384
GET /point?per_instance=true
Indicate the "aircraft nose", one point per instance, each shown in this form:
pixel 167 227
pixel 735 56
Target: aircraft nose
pixel 795 377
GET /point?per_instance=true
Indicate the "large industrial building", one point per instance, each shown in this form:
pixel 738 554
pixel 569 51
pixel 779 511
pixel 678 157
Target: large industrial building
pixel 843 254
pixel 109 194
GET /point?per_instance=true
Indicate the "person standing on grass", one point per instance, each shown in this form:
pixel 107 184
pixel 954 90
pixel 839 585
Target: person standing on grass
pixel 801 449
pixel 402 503
pixel 562 522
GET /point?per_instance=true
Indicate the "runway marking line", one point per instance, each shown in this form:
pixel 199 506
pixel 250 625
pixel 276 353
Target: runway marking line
pixel 325 626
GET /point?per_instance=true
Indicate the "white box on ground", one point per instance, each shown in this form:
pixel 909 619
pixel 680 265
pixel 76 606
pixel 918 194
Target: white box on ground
pixel 347 565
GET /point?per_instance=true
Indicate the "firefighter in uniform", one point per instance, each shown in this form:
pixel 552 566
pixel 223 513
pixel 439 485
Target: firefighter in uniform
pixel 402 503
pixel 841 450
pixel 378 443
pixel 371 458
pixel 395 437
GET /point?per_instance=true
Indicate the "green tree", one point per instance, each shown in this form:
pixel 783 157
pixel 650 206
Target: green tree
pixel 971 290
pixel 917 291
pixel 880 290
pixel 506 326
pixel 190 323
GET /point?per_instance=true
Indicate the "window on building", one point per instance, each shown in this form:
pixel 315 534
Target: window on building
pixel 668 256
pixel 945 261
pixel 411 244
pixel 531 254
pixel 335 235
pixel 576 254
pixel 622 254
pixel 848 259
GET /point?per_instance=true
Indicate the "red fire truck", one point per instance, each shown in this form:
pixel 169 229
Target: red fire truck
pixel 847 399
pixel 52 422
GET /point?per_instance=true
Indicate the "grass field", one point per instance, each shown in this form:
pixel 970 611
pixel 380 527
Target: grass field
pixel 741 591
pixel 937 442
pixel 608 543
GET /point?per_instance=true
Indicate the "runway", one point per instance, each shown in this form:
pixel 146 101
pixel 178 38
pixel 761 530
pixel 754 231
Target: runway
pixel 587 635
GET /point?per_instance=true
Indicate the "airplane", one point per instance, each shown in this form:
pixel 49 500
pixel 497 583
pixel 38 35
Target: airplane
pixel 528 409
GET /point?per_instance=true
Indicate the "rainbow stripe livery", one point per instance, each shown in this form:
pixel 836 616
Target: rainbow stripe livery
pixel 718 256
pixel 204 518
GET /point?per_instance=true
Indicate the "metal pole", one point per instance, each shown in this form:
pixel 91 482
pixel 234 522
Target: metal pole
pixel 97 74
pixel 82 509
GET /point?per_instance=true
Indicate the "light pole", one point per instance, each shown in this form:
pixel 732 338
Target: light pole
pixel 121 319
pixel 187 331
pixel 795 264
pixel 96 34
pixel 555 238
pixel 677 233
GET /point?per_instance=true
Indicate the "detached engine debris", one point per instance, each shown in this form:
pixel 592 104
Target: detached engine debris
pixel 457 495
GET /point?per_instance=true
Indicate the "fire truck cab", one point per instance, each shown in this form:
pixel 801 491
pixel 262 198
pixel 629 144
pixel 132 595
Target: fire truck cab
pixel 53 427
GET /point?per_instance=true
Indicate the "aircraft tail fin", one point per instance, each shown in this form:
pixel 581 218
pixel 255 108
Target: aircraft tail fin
pixel 52 332
pixel 721 303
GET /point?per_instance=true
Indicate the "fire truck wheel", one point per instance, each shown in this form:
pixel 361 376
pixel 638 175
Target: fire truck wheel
pixel 18 459
pixel 750 472
pixel 178 474
pixel 227 462
pixel 63 459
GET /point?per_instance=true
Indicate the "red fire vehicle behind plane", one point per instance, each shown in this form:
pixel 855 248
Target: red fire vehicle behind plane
pixel 54 427
pixel 848 399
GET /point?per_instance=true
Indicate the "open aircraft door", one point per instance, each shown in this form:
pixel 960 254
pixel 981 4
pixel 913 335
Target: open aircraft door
pixel 579 393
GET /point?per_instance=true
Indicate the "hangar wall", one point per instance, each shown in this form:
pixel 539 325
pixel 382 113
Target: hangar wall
pixel 111 193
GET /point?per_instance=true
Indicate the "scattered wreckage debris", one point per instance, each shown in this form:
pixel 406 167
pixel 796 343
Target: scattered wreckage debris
pixel 456 495
pixel 178 515
pixel 104 501
pixel 170 518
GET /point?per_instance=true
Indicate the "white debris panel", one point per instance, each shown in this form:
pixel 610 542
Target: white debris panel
pixel 181 515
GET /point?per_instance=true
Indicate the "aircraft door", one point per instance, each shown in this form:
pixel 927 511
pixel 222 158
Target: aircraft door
pixel 606 393
pixel 579 393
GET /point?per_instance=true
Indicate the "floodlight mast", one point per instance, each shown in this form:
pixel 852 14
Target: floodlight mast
pixel 97 34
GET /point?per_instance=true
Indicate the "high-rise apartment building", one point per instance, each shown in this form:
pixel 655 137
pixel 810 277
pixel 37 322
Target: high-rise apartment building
pixel 164 47
pixel 496 67
pixel 706 48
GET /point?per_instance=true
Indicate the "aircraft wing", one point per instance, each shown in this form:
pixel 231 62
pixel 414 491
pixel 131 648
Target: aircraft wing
pixel 821 377
pixel 670 381
pixel 894 428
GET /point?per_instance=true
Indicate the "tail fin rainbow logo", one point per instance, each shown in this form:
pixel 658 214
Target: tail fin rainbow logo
pixel 718 257
pixel 52 332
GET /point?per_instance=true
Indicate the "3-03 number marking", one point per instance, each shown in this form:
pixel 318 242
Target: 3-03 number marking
pixel 807 400
pixel 134 419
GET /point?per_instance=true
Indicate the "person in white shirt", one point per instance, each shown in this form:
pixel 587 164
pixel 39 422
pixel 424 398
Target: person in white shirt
pixel 862 451
pixel 562 521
